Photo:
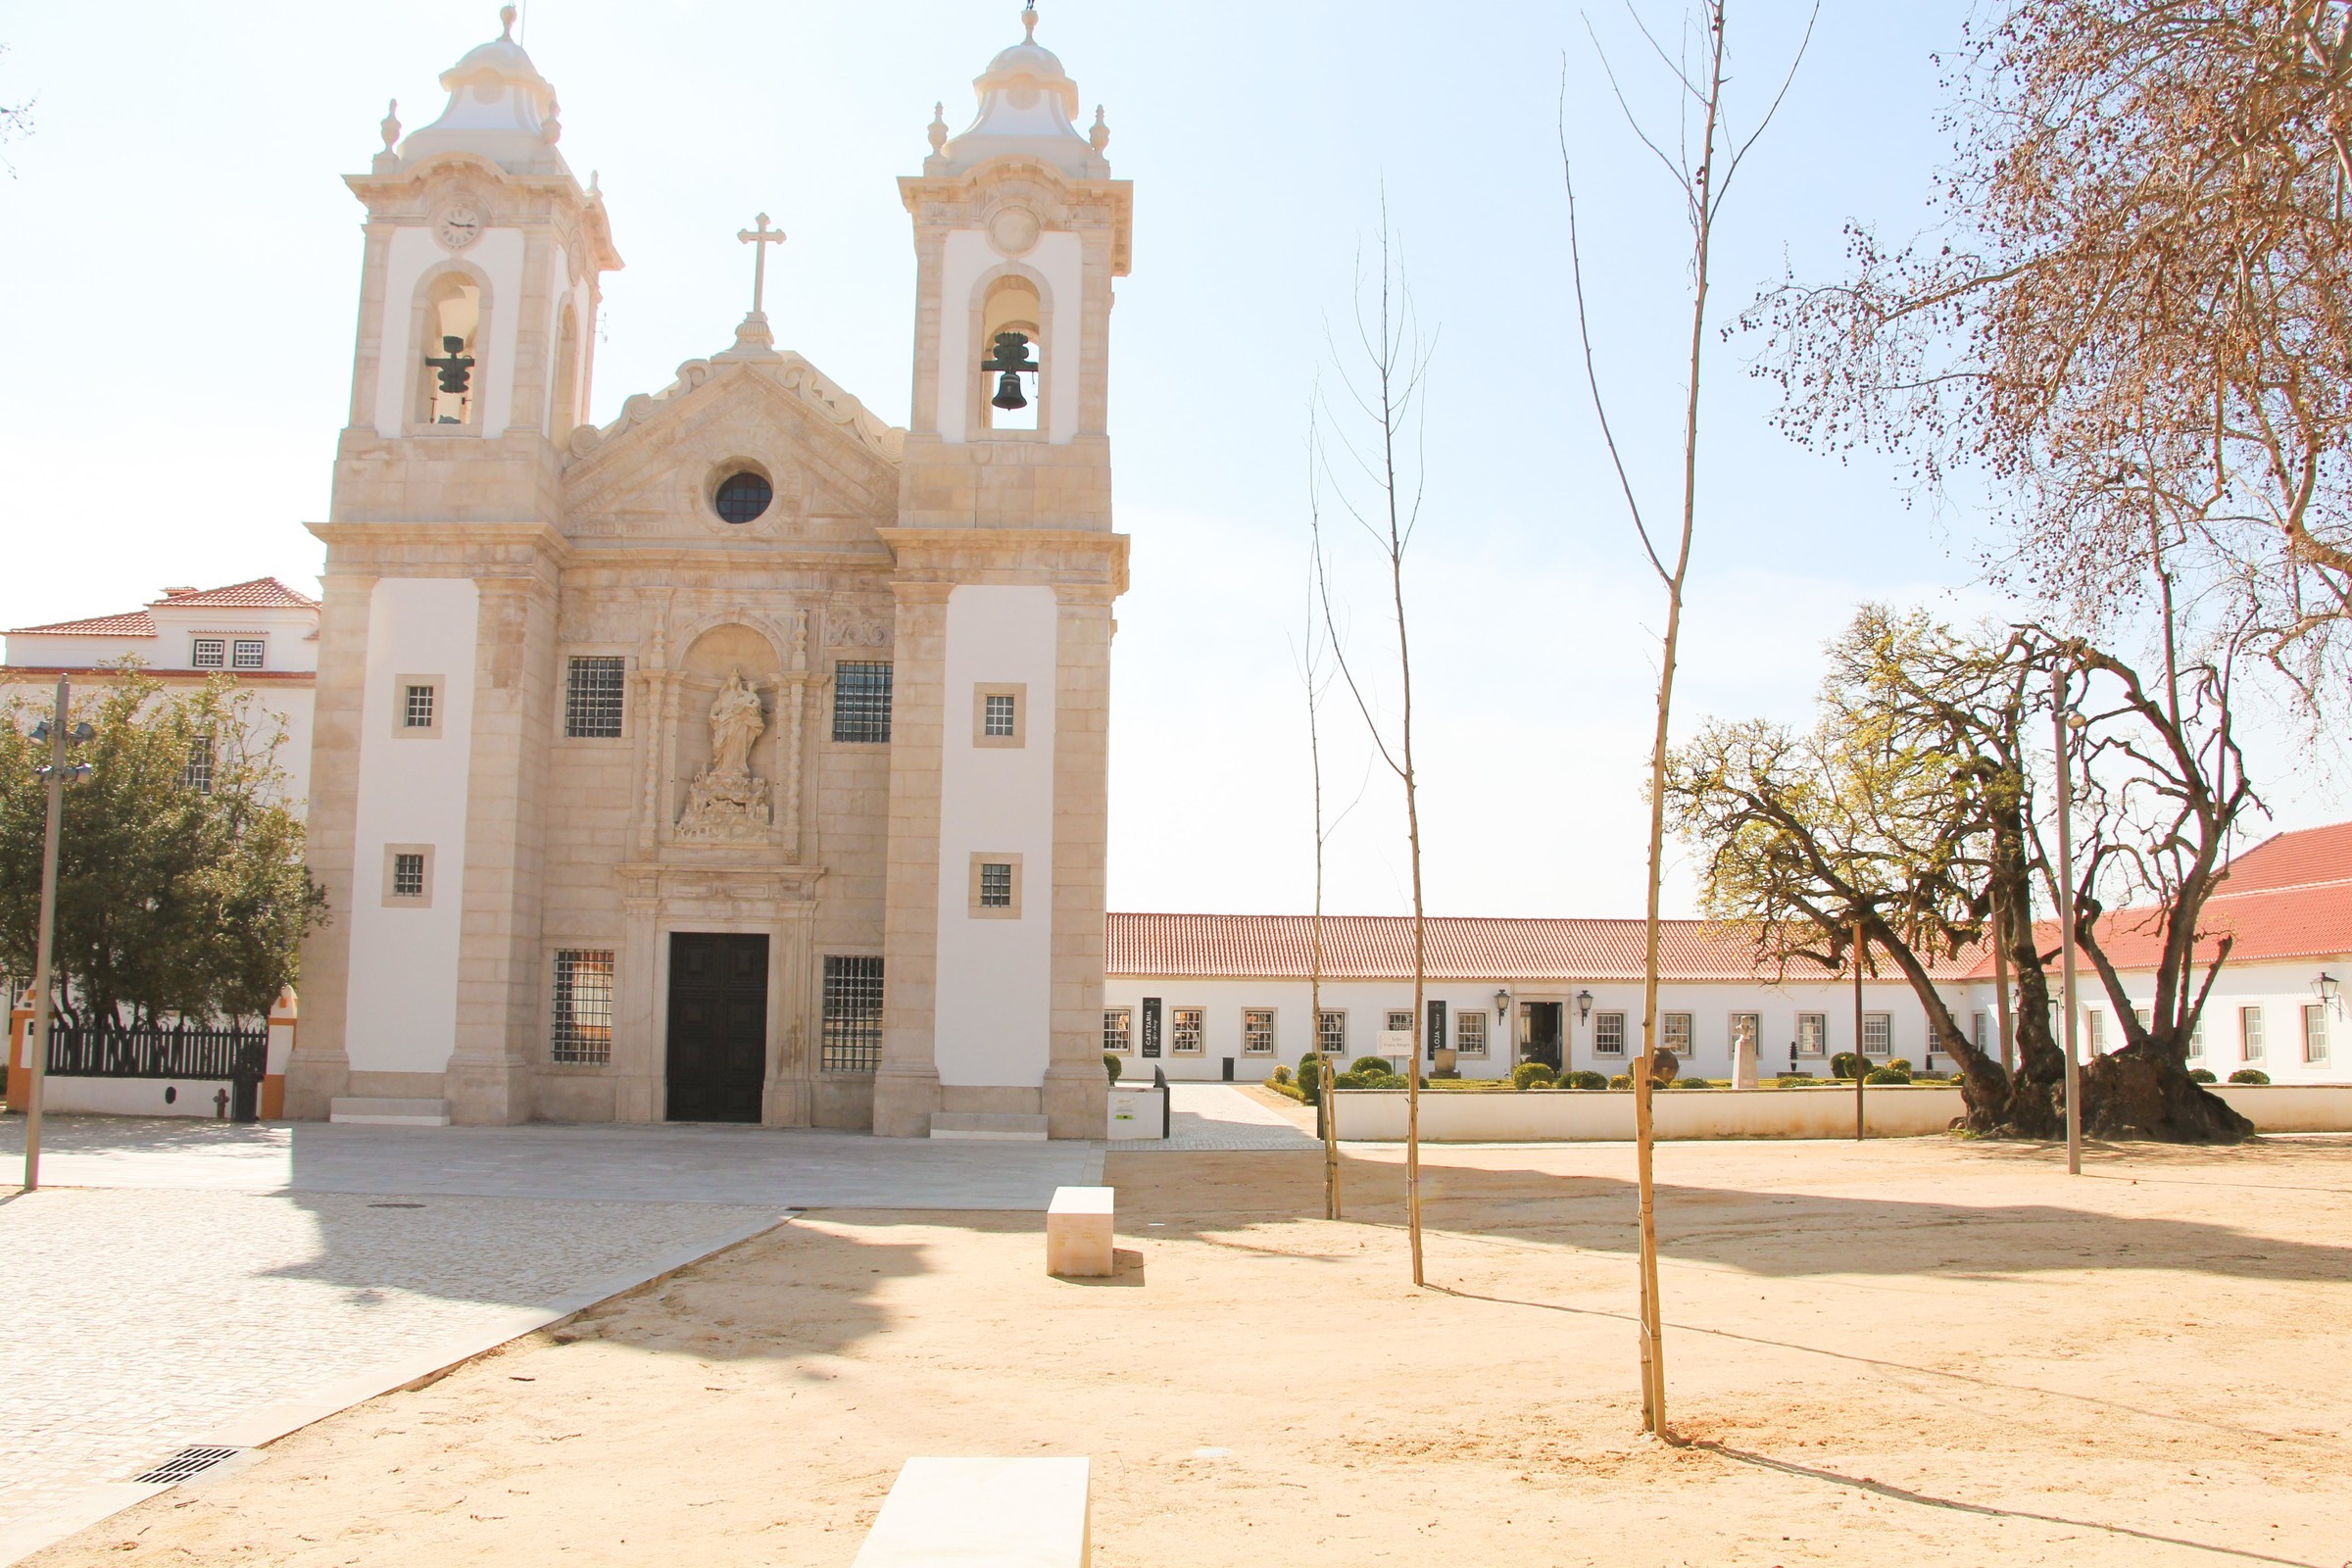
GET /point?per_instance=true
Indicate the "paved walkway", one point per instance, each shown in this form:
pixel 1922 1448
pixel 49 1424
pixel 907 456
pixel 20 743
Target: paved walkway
pixel 1221 1116
pixel 630 1164
pixel 173 1280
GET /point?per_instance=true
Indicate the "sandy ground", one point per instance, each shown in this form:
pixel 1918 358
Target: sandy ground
pixel 1908 1353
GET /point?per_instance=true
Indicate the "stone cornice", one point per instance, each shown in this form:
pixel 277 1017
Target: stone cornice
pixel 470 547
pixel 964 555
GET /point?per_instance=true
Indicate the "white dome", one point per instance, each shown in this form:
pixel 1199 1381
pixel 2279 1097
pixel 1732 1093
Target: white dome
pixel 499 107
pixel 1028 104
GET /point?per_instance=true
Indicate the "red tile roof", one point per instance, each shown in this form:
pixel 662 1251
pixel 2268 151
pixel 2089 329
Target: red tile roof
pixel 2290 897
pixel 261 593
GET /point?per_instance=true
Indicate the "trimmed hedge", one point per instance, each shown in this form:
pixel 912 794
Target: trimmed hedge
pixel 1887 1075
pixel 2249 1075
pixel 1531 1075
pixel 1112 1066
pixel 1584 1079
pixel 2201 1075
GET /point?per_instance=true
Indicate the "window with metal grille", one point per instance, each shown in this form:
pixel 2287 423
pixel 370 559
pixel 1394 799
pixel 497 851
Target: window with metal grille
pixel 995 719
pixel 743 497
pixel 1257 1031
pixel 1470 1032
pixel 860 702
pixel 995 886
pixel 1673 1032
pixel 595 699
pixel 417 707
pixel 1331 1031
pixel 1812 1034
pixel 2315 1032
pixel 1877 1033
pixel 408 876
pixel 198 775
pixel 1608 1033
pixel 2249 1033
pixel 207 653
pixel 247 653
pixel 1185 1034
pixel 581 1033
pixel 852 1028
pixel 1119 1030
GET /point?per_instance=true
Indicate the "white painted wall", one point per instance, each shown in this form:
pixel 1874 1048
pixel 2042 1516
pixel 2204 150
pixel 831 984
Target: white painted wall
pixel 994 987
pixel 1057 257
pixel 404 962
pixel 414 252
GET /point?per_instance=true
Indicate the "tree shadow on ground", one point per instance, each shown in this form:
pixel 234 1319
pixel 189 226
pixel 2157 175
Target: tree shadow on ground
pixel 1748 1231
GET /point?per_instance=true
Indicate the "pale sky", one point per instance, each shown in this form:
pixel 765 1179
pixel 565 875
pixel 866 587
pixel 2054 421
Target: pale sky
pixel 179 279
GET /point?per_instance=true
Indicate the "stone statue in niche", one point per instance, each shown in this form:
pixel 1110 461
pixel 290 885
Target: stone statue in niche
pixel 726 800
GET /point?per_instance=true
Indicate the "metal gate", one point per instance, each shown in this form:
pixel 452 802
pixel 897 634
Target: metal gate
pixel 236 1056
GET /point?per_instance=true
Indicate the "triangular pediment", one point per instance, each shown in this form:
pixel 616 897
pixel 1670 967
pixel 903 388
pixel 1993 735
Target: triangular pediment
pixel 650 474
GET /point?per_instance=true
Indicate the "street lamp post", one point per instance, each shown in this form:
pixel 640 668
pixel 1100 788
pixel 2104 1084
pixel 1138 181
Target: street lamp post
pixel 58 735
pixel 2062 723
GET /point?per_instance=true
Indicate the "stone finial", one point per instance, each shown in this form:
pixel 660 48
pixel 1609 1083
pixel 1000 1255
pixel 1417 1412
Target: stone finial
pixel 389 128
pixel 594 194
pixel 939 127
pixel 506 23
pixel 1029 23
pixel 1099 138
pixel 551 129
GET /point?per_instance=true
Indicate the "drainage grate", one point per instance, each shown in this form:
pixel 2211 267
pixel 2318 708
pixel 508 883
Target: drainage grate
pixel 185 1465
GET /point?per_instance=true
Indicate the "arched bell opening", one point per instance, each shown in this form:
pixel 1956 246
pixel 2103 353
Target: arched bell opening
pixel 1013 373
pixel 449 387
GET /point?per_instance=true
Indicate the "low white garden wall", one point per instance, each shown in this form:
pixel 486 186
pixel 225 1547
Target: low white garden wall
pixel 130 1097
pixel 1893 1111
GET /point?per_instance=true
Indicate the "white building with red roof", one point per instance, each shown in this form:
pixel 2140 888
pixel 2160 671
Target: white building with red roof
pixel 1227 995
pixel 260 633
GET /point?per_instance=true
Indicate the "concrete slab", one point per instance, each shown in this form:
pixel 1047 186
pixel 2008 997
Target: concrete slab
pixel 983 1513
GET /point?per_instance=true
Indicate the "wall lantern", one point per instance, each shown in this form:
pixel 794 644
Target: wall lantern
pixel 1502 1002
pixel 2331 990
pixel 1583 1007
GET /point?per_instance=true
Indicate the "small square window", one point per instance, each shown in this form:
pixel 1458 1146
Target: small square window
pixel 1331 1033
pixel 408 876
pixel 1608 1033
pixel 999 714
pixel 995 886
pixel 595 697
pixel 416 711
pixel 247 653
pixel 1257 1031
pixel 418 707
pixel 1118 1031
pixel 862 702
pixel 1400 1020
pixel 1185 1031
pixel 207 653
pixel 1674 1031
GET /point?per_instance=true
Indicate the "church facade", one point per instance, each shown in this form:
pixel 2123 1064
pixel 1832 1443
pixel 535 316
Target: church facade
pixel 744 758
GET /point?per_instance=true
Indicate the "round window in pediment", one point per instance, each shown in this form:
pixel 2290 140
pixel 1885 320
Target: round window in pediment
pixel 743 496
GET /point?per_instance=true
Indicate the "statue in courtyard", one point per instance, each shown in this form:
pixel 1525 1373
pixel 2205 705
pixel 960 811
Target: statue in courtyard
pixel 726 800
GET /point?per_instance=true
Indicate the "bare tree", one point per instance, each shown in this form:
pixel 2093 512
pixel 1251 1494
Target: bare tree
pixel 1702 175
pixel 2134 311
pixel 1316 677
pixel 1381 487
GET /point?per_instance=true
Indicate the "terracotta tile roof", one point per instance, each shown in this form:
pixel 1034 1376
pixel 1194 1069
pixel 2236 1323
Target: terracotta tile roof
pixel 261 593
pixel 2290 897
pixel 1379 946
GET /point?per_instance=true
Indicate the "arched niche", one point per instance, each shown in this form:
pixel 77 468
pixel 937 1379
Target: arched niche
pixel 710 658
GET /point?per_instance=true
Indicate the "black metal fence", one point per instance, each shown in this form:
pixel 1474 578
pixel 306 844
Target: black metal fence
pixel 237 1056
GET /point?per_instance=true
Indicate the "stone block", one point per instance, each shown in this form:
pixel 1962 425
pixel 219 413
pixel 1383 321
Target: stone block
pixel 1078 1231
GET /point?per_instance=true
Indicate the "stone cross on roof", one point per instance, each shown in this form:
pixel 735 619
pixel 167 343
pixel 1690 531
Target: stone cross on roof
pixel 762 236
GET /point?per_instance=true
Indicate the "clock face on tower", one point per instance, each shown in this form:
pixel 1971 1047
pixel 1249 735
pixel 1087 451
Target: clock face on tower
pixel 459 226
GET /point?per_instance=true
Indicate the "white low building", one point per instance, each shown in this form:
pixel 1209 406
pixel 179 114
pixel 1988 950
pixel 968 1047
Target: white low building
pixel 261 633
pixel 1223 996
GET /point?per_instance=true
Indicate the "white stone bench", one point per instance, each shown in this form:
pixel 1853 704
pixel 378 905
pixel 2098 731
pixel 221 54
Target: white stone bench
pixel 1078 1228
pixel 983 1513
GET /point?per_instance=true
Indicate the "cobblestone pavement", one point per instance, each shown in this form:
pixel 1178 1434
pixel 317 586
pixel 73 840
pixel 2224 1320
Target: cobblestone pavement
pixel 1220 1117
pixel 140 1319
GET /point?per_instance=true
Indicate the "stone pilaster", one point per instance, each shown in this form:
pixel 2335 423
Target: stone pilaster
pixel 907 1083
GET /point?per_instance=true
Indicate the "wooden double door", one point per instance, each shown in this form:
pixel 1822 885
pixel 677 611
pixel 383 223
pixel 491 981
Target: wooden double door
pixel 718 1025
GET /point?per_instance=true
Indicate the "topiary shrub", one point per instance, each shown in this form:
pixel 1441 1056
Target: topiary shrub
pixel 1623 1080
pixel 2249 1075
pixel 1794 1080
pixel 1350 1080
pixel 1311 1078
pixel 1111 1065
pixel 1281 1074
pixel 1843 1064
pixel 1887 1075
pixel 1531 1075
pixel 1900 1065
pixel 1378 1064
pixel 1583 1078
pixel 2201 1075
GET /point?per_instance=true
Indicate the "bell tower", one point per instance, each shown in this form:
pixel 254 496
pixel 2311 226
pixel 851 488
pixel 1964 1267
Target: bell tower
pixel 1007 566
pixel 477 316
